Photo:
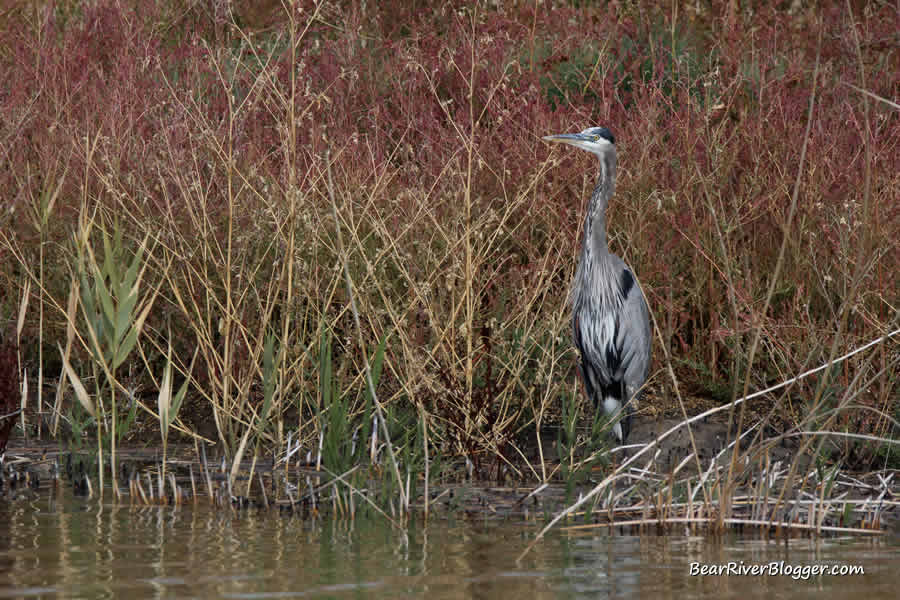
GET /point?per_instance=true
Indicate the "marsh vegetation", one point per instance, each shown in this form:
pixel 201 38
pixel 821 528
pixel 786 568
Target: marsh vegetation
pixel 328 235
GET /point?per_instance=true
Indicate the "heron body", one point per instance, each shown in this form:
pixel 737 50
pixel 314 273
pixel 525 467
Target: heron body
pixel 610 319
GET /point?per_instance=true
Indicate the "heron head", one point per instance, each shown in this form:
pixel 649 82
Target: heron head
pixel 598 140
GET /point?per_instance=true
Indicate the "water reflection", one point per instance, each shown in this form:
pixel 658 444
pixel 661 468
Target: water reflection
pixel 78 548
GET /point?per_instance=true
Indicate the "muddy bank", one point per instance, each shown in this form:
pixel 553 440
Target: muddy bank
pixel 656 487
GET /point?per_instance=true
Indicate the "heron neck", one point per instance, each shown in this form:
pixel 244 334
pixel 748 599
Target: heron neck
pixel 595 223
pixel 596 274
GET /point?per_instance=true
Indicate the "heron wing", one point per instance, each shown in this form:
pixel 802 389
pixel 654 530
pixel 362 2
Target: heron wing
pixel 633 339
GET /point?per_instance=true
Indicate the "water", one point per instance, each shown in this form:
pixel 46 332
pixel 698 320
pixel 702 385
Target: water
pixel 77 548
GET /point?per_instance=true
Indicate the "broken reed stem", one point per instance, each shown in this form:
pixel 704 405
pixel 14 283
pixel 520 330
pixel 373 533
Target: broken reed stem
pixel 262 487
pixel 209 486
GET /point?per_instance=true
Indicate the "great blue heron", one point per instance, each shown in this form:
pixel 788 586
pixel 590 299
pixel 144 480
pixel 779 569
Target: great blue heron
pixel 610 319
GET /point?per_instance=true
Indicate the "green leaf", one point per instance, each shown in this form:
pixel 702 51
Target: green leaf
pixel 125 349
pixel 117 236
pixel 109 264
pixel 106 300
pixel 268 379
pixel 87 299
pixel 128 343
pixel 124 316
pixel 130 279
pixel 378 360
pixel 847 515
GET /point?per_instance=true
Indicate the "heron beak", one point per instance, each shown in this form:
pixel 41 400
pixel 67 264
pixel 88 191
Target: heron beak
pixel 573 139
pixel 566 138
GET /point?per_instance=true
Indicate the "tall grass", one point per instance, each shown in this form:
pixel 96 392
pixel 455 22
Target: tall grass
pixel 212 136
